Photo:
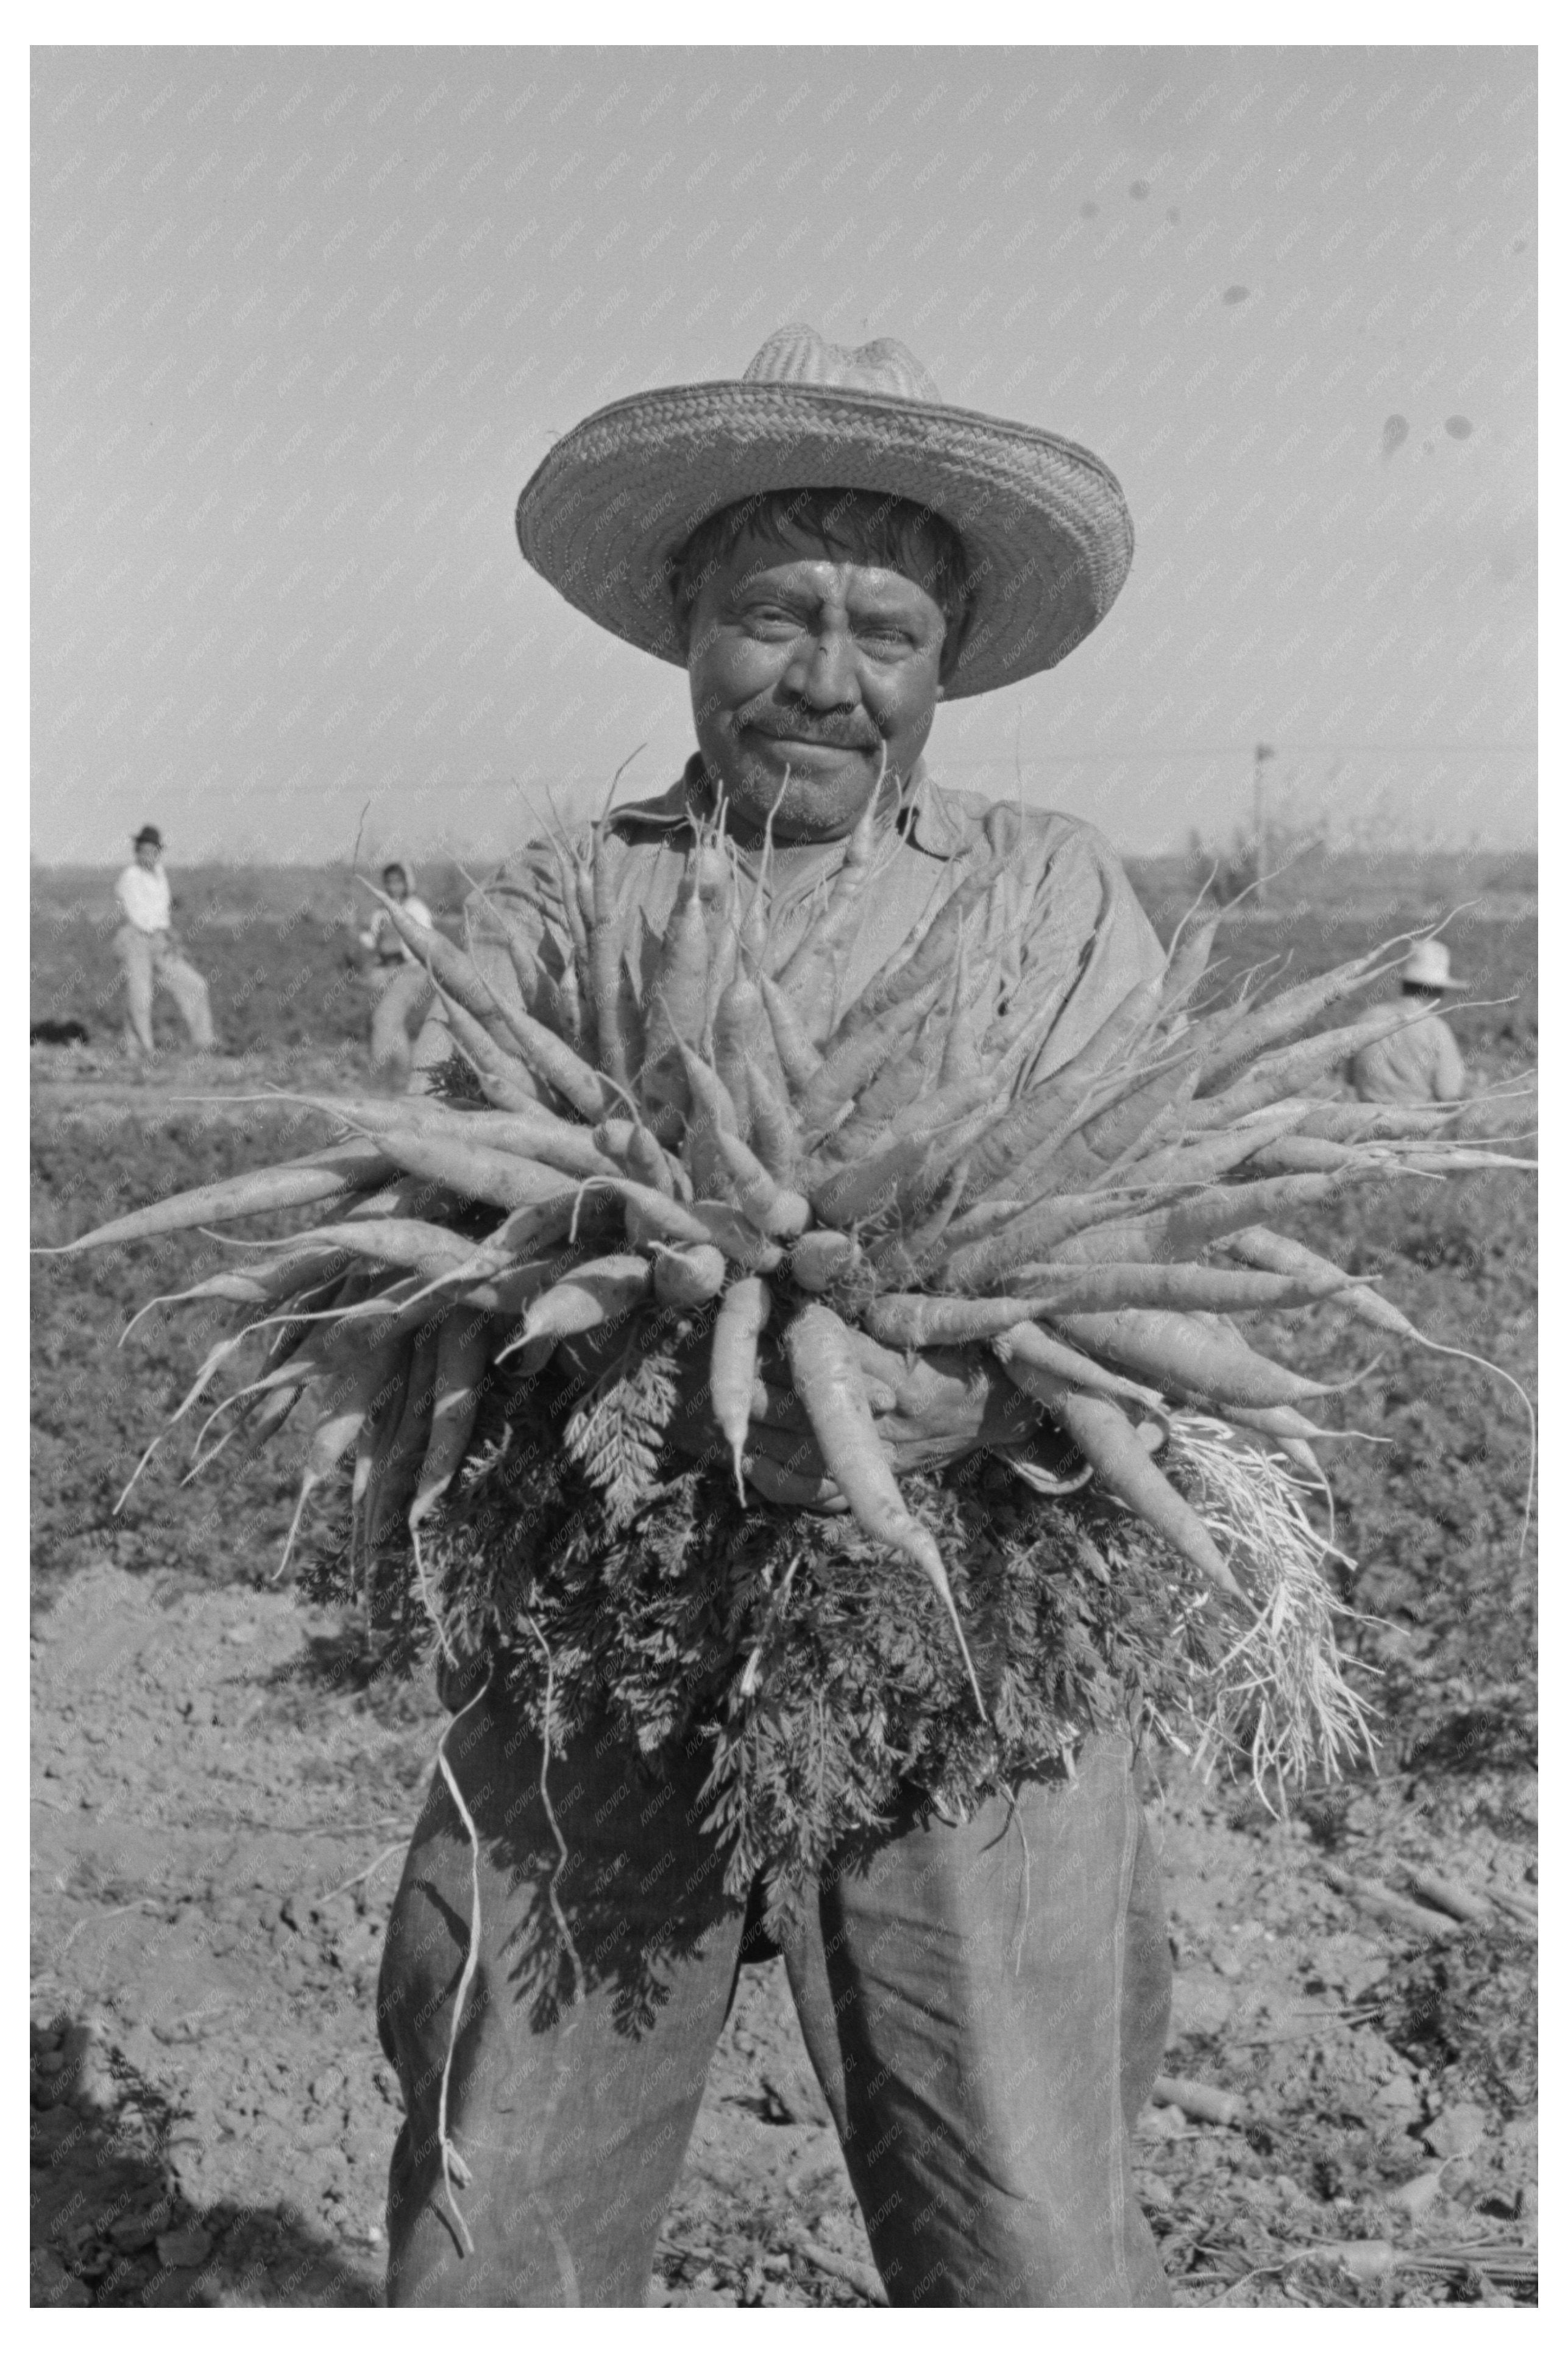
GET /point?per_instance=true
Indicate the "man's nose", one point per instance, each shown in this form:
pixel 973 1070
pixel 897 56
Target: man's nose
pixel 822 671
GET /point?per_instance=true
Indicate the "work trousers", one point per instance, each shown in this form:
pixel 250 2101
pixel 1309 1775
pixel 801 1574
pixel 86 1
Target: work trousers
pixel 152 961
pixel 403 997
pixel 985 2006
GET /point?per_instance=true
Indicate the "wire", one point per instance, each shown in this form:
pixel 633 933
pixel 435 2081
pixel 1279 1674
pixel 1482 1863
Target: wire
pixel 1242 752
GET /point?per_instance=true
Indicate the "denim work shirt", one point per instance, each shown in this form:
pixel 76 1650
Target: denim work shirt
pixel 1061 900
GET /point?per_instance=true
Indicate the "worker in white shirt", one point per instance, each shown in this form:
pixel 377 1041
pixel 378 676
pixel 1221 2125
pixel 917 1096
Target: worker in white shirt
pixel 147 948
pixel 403 993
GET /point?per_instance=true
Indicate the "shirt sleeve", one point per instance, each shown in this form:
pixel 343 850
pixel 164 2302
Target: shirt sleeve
pixel 1084 929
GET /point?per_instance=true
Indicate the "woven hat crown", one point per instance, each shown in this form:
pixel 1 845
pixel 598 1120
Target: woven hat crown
pixel 798 354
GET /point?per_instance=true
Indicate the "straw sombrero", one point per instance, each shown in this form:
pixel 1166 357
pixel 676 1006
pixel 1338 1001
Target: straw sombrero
pixel 1043 522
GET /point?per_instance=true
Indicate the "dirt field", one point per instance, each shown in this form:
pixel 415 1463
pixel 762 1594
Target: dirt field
pixel 220 1792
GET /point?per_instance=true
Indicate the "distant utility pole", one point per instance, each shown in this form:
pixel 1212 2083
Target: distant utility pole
pixel 1260 821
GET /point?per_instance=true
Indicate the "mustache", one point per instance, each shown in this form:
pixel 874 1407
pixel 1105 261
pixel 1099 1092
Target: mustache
pixel 840 732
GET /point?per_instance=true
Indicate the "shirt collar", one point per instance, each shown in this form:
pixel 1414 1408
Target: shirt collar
pixel 928 820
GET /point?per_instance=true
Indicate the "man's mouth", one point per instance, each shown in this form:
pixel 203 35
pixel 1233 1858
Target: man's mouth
pixel 793 739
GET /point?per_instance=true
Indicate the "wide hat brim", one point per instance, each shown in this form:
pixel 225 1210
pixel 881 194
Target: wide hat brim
pixel 1044 523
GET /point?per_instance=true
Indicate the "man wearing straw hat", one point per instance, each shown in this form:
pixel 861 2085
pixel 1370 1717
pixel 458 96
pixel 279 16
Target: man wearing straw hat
pixel 830 551
pixel 1420 1063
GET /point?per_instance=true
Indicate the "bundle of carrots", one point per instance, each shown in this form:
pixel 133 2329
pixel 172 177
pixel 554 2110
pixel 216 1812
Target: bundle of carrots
pixel 719 1135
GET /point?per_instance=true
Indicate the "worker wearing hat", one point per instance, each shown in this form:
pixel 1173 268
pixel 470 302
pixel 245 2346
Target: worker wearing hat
pixel 830 551
pixel 147 948
pixel 402 985
pixel 1420 1063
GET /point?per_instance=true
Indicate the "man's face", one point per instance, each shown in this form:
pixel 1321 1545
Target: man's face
pixel 396 882
pixel 800 663
pixel 146 853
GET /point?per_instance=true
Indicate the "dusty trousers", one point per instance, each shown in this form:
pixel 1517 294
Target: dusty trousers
pixel 403 996
pixel 985 2007
pixel 152 962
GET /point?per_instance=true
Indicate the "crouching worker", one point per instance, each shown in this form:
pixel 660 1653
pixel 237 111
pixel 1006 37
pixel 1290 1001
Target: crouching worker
pixel 830 551
pixel 402 986
pixel 1420 1063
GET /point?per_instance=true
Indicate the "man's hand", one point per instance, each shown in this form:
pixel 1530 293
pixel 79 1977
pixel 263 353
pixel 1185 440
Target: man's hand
pixel 942 1406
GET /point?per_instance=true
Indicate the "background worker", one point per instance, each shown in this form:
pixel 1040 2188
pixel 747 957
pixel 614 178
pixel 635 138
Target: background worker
pixel 147 947
pixel 403 988
pixel 1420 1063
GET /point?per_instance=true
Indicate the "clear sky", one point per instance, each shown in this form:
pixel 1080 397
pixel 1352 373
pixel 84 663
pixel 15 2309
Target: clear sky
pixel 305 320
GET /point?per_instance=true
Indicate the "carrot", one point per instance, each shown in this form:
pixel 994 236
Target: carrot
pixel 1359 1123
pixel 410 1242
pixel 1187 963
pixel 829 1383
pixel 724 958
pixel 1094 1290
pixel 729 1230
pixel 689 1277
pixel 533 1134
pixel 462 1356
pixel 475 1171
pixel 903 1176
pixel 947 1106
pixel 1255 1246
pixel 548 1057
pixel 1115 1131
pixel 492 1061
pixel 341 1168
pixel 913 1319
pixel 599 1291
pixel 823 1258
pixel 852 1063
pixel 1035 1123
pixel 1045 1354
pixel 812 976
pixel 772 1137
pixel 1206 1158
pixel 712 1110
pixel 1281 1421
pixel 604 966
pixel 928 958
pixel 1191 1225
pixel 1294 1069
pixel 732 1363
pixel 572 918
pixel 347 1401
pixel 1100 1431
pixel 738 1021
pixel 798 1058
pixel 774 1209
pixel 1025 1234
pixel 1289 1012
pixel 1174 1350
pixel 653 1217
pixel 676 995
